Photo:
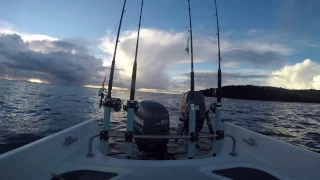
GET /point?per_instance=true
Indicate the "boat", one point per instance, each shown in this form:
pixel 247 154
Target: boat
pixel 83 152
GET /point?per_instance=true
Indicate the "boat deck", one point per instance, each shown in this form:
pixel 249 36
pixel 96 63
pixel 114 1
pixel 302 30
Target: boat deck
pixel 52 158
pixel 235 167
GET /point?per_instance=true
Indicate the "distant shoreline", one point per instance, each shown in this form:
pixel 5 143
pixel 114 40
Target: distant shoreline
pixel 266 93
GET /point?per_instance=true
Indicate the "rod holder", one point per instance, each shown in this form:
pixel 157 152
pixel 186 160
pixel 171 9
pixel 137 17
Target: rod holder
pixel 217 144
pixel 106 127
pixel 192 128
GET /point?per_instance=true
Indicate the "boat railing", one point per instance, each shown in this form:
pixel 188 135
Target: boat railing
pixel 232 153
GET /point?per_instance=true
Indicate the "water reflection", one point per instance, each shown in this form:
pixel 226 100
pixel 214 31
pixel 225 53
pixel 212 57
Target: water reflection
pixel 289 122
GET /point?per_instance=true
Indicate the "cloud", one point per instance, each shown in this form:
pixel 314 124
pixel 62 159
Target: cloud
pixel 72 61
pixel 228 33
pixel 304 75
pixel 257 59
pixel 306 43
pixel 292 36
pixel 160 51
pixel 56 61
pixel 252 32
pixel 230 64
pixel 27 37
pixel 208 79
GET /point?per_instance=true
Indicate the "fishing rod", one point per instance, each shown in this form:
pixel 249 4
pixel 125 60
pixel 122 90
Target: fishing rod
pixel 109 103
pixel 218 143
pixel 134 70
pixel 192 72
pixel 192 108
pixel 132 105
pixel 219 56
pixel 115 53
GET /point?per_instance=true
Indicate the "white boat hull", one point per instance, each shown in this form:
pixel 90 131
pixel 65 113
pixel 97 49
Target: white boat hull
pixel 47 156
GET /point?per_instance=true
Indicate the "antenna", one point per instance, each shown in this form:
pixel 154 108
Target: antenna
pixel 115 53
pixel 134 71
pixel 192 72
pixel 219 56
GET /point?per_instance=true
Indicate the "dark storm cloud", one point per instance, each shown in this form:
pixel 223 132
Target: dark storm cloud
pixel 56 61
pixel 13 41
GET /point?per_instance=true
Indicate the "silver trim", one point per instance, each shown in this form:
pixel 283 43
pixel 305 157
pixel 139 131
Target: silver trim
pixel 90 154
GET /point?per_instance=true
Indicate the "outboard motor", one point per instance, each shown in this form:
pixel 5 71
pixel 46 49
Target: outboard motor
pixel 199 100
pixel 151 118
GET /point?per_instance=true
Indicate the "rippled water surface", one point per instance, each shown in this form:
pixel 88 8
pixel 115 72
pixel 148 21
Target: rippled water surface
pixel 30 111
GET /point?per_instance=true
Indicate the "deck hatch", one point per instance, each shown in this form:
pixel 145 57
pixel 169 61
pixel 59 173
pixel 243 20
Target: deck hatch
pixel 85 175
pixel 240 173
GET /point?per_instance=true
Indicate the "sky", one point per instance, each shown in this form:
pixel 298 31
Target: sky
pixel 266 43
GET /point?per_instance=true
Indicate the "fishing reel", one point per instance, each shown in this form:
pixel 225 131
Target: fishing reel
pixel 131 104
pixel 113 103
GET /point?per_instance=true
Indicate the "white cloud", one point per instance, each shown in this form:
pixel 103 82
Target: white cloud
pixel 230 64
pixel 306 43
pixel 267 47
pixel 316 79
pixel 37 37
pixel 160 51
pixel 304 75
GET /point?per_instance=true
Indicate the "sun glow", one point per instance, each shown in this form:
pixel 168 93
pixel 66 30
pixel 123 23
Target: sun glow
pixel 158 91
pixel 97 87
pixel 92 86
pixel 316 78
pixel 34 80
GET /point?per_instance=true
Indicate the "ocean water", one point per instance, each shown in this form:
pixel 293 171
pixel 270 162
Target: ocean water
pixel 30 111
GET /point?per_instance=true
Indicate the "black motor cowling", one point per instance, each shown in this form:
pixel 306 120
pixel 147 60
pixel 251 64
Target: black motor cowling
pixel 199 100
pixel 151 118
